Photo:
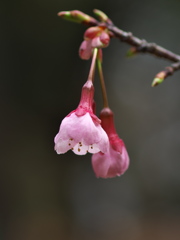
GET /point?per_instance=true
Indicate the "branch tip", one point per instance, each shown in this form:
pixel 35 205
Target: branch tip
pixel 102 16
pixel 157 81
pixel 78 17
pixel 138 45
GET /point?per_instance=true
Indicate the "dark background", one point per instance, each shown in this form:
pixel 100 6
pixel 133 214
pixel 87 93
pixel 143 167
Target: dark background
pixel 48 196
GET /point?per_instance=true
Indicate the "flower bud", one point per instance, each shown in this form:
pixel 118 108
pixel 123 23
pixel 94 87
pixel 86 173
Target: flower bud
pixel 92 32
pixel 102 16
pixel 116 160
pixel 159 78
pixel 77 16
pixel 85 50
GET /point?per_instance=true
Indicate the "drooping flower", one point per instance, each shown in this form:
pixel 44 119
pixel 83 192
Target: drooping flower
pixel 116 160
pixel 81 130
pixel 94 37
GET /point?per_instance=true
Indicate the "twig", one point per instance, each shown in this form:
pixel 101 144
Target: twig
pixel 142 45
pixel 159 78
pixel 139 45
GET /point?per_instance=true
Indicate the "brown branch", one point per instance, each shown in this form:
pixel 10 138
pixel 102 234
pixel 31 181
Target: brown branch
pixel 139 45
pixel 142 46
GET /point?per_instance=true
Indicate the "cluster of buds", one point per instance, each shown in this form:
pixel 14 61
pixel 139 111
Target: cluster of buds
pixel 94 37
pixel 81 130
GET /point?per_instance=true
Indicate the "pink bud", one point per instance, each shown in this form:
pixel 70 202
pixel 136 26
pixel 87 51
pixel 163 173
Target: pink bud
pixel 85 50
pixel 116 160
pixel 95 37
pixel 104 38
pixel 96 43
pixel 92 32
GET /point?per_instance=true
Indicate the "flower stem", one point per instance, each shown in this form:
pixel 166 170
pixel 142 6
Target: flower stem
pixel 93 65
pixel 103 87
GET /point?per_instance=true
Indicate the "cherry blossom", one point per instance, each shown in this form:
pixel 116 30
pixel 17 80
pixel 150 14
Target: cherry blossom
pixel 81 130
pixel 116 160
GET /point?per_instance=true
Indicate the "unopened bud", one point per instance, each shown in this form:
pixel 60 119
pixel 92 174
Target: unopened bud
pixel 157 81
pixel 102 16
pixel 85 50
pixel 92 32
pixel 131 52
pixel 159 78
pixel 77 16
pixel 104 38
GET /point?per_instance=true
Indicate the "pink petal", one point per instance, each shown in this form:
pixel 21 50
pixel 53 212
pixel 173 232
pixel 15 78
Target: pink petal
pixel 100 164
pixel 94 148
pixel 104 38
pixel 81 134
pixel 83 128
pixel 92 32
pixel 62 146
pixel 85 50
pixel 110 164
pixel 80 148
pixel 96 43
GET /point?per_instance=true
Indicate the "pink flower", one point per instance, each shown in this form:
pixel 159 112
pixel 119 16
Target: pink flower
pixel 81 131
pixel 94 37
pixel 116 160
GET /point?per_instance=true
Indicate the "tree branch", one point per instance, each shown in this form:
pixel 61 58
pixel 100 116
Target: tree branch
pixel 139 45
pixel 142 46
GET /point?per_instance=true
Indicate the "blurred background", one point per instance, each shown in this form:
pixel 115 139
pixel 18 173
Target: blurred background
pixel 48 196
